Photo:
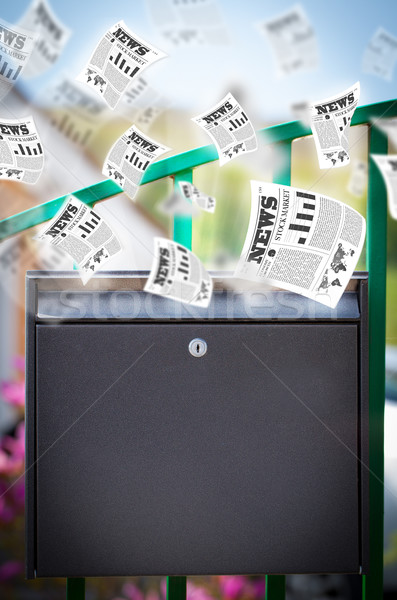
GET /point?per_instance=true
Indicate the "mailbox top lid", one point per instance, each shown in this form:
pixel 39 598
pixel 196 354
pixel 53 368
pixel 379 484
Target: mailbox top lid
pixel 120 295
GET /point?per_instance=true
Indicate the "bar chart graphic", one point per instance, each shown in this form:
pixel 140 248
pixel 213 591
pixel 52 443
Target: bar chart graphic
pixel 135 160
pixel 25 150
pixel 121 63
pixel 236 123
pixel 90 224
pixel 184 262
pixel 304 216
pixel 8 71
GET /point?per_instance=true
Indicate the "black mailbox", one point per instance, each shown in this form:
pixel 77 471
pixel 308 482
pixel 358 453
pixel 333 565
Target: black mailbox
pixel 147 454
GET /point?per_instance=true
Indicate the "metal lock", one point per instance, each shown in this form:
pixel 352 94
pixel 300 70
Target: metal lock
pixel 197 347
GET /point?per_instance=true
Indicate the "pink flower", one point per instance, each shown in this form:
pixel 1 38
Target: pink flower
pixel 232 587
pixel 259 587
pixel 10 569
pixel 13 392
pixel 132 592
pixel 19 363
pixel 196 593
pixel 15 445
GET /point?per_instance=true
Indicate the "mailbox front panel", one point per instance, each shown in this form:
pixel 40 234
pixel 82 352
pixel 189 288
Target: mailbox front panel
pixel 153 461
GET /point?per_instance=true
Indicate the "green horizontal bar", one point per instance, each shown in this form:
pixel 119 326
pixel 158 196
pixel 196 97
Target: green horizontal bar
pixel 284 132
pixel 43 212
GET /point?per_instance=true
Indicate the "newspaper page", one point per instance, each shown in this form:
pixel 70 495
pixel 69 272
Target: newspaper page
pixel 358 178
pixel 129 157
pixel 292 40
pixel 177 205
pixel 387 165
pixel 119 56
pixel 203 201
pixel 188 23
pixel 301 241
pixel 389 127
pixel 83 234
pixel 380 55
pixel 76 112
pixel 21 151
pixel 53 37
pixel 16 46
pixel 178 274
pixel 330 122
pixel 229 127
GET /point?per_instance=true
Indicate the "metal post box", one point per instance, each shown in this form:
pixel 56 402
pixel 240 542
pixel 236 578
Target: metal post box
pixel 164 439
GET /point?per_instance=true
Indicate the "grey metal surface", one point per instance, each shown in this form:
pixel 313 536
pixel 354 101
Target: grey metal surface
pixel 153 462
pixel 226 305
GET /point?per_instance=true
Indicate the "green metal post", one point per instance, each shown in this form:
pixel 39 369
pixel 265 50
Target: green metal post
pixel 275 584
pixel 376 265
pixel 176 586
pixel 75 588
pixel 183 224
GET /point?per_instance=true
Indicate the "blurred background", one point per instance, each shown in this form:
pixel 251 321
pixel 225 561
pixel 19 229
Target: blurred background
pixel 217 49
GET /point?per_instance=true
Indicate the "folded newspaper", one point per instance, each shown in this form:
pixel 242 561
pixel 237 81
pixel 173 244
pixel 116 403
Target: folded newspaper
pixel 229 127
pixel 178 274
pixel 301 241
pixel 387 165
pixel 21 151
pixel 203 201
pixel 129 157
pixel 119 56
pixel 16 46
pixel 380 55
pixel 330 122
pixel 292 40
pixel 53 36
pixel 83 234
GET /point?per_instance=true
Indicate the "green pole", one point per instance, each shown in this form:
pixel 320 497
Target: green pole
pixel 183 224
pixel 176 586
pixel 376 266
pixel 275 584
pixel 75 588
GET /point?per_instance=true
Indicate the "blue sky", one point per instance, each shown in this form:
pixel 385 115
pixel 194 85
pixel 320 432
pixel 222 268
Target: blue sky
pixel 196 78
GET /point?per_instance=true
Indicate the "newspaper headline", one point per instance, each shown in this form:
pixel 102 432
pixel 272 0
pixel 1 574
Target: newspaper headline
pixel 330 123
pixel 83 234
pixel 301 241
pixel 21 151
pixel 118 57
pixel 178 274
pixel 129 157
pixel 229 127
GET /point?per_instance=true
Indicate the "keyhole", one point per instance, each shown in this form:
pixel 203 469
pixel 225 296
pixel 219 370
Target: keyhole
pixel 197 347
